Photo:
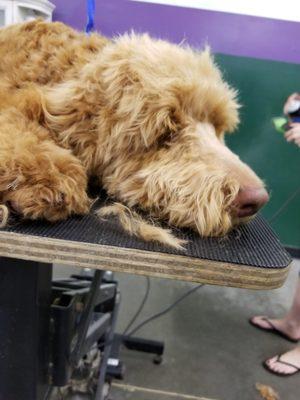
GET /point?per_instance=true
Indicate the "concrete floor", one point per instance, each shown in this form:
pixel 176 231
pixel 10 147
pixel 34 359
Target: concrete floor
pixel 211 350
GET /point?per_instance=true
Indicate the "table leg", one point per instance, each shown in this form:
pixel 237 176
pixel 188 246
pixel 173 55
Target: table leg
pixel 25 297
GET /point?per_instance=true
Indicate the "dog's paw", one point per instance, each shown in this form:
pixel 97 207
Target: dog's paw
pixel 60 203
pixel 52 204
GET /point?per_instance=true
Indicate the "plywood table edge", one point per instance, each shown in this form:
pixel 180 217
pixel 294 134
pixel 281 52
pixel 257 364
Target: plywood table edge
pixel 140 262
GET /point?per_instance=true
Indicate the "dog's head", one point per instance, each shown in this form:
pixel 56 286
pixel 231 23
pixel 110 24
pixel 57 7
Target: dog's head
pixel 166 110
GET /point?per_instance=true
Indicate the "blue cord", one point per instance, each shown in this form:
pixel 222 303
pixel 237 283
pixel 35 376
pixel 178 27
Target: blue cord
pixel 91 16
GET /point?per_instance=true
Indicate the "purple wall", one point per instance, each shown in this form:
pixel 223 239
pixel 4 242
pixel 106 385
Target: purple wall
pixel 226 33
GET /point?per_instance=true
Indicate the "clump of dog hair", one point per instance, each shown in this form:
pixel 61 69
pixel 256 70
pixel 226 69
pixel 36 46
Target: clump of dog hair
pixel 135 225
pixel 267 392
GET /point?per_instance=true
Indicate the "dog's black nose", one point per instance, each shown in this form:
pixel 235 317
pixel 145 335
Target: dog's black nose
pixel 249 200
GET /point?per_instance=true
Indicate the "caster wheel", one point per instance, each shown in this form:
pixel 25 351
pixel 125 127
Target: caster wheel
pixel 157 359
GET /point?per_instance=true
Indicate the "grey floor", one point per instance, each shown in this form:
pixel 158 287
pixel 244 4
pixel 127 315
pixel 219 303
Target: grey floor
pixel 211 350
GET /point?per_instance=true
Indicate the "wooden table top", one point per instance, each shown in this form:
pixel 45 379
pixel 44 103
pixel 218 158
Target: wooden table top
pixel 249 257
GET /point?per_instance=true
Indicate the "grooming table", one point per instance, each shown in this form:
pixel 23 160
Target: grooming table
pixel 250 257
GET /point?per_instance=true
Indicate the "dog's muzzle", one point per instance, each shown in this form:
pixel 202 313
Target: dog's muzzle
pixel 249 200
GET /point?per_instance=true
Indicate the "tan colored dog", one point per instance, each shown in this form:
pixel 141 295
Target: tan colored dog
pixel 145 117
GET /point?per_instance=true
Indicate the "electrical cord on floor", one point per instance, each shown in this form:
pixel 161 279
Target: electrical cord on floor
pixel 166 310
pixel 154 316
pixel 284 205
pixel 140 308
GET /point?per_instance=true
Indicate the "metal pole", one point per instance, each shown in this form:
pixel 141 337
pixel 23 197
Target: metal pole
pixel 86 317
pixel 107 350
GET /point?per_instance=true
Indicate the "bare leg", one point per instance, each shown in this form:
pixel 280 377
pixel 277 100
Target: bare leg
pixel 38 179
pixel 290 323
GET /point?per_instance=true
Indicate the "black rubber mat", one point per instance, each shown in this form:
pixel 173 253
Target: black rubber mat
pixel 253 244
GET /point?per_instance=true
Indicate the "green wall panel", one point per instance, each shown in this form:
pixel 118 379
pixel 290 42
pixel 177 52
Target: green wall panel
pixel 263 86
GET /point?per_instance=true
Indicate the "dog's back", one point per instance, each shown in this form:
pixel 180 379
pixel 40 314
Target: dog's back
pixel 43 53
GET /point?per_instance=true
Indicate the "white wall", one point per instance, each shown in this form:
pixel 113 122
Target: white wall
pixel 286 10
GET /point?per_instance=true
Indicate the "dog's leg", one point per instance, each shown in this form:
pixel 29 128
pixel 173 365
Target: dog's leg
pixel 38 179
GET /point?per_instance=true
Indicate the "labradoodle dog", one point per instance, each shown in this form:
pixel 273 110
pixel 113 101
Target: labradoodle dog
pixel 146 118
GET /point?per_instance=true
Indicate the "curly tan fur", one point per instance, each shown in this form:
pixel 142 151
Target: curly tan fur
pixel 145 117
pixel 135 225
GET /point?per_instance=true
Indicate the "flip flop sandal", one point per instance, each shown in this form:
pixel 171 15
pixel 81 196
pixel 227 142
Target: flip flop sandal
pixel 273 330
pixel 278 359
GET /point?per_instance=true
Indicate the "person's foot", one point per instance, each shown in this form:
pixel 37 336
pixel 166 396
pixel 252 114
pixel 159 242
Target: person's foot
pixel 284 327
pixel 287 364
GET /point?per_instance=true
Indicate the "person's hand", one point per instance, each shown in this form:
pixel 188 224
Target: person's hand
pixel 293 134
pixel 290 99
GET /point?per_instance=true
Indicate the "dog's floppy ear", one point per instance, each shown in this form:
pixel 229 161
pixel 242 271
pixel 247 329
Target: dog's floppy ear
pixel 140 118
pixel 143 112
pixel 146 120
pixel 215 98
pixel 161 123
